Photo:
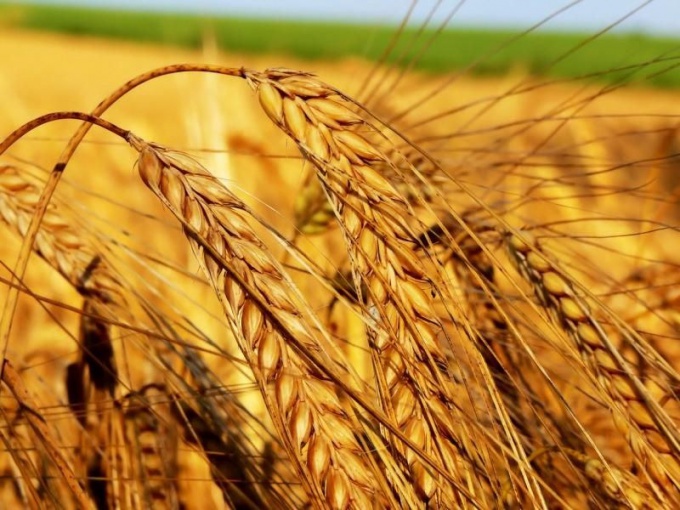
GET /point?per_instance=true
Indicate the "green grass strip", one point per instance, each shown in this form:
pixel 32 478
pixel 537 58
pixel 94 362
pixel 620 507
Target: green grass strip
pixel 611 58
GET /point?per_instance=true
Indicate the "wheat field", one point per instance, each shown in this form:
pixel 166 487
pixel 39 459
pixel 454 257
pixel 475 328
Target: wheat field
pixel 262 282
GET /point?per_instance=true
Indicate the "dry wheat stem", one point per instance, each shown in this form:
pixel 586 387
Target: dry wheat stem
pixel 651 433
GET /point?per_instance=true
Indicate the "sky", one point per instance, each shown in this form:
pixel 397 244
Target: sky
pixel 654 16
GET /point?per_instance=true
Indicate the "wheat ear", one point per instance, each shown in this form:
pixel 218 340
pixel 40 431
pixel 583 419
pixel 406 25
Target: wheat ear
pixel 316 430
pixel 652 435
pixel 58 243
pixel 414 382
pixel 76 256
pixel 151 430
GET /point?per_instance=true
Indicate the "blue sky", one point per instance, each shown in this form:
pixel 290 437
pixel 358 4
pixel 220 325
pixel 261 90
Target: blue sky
pixel 654 16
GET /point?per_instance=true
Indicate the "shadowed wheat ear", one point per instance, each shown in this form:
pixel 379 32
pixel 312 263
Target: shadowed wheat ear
pixel 618 486
pixel 636 406
pixel 152 436
pixel 266 316
pixel 414 381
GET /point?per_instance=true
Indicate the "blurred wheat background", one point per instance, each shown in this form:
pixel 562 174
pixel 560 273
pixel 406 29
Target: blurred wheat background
pixel 486 266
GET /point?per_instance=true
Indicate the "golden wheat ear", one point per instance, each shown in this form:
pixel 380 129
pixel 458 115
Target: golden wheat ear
pixel 413 376
pixel 266 316
pixel 636 405
pixel 75 254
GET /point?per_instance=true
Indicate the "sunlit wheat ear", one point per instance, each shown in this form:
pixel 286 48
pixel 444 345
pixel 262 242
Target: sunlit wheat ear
pixel 414 381
pixel 517 381
pixel 636 405
pixel 314 213
pixel 535 405
pixel 266 316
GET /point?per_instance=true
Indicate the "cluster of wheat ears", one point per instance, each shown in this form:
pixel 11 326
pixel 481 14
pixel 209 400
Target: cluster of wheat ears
pixel 457 354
